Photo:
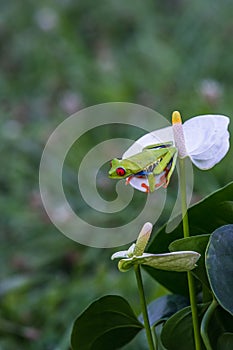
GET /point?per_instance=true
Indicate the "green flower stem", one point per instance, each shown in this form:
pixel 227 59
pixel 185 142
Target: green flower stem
pixel 144 307
pixel 205 323
pixel 191 285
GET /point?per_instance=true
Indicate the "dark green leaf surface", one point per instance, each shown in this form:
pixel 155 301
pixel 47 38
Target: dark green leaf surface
pixel 163 307
pixel 219 264
pixel 177 333
pixel 197 244
pixel 225 342
pixel 219 329
pixel 204 217
pixel 108 323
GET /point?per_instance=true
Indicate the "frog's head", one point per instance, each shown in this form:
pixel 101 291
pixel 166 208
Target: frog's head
pixel 120 169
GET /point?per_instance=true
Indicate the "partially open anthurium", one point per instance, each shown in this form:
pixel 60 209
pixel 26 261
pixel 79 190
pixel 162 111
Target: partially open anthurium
pixel 149 163
pixel 176 261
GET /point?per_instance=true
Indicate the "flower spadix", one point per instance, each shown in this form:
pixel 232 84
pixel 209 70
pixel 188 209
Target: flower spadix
pixel 149 163
pixel 176 261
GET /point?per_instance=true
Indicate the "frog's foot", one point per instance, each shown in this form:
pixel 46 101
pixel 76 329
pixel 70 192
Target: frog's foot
pixel 147 188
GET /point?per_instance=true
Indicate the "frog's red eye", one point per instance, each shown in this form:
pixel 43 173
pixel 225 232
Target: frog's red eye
pixel 120 171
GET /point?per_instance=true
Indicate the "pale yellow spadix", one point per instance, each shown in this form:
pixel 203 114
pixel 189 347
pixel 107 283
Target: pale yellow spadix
pixel 176 118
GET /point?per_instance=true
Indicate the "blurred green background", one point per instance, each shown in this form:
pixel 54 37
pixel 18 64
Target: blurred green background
pixel 58 57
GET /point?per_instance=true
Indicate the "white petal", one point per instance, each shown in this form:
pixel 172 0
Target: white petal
pixel 203 134
pixel 213 149
pixel 120 255
pixel 124 253
pixel 157 136
pixel 203 162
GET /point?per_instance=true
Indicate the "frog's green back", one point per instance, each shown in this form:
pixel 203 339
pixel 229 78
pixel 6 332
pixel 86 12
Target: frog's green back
pixel 147 157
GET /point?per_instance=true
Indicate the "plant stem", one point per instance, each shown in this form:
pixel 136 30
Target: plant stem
pixel 144 307
pixel 191 286
pixel 205 323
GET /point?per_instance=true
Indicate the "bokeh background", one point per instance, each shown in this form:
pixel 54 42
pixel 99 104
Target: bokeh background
pixel 58 57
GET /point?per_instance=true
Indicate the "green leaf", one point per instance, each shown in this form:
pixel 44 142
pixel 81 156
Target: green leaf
pixel 108 323
pixel 219 264
pixel 204 217
pixel 199 244
pixel 219 328
pixel 225 342
pixel 177 333
pixel 162 308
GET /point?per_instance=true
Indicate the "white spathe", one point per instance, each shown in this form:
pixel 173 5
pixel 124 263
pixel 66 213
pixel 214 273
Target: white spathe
pixel 206 142
pixel 206 139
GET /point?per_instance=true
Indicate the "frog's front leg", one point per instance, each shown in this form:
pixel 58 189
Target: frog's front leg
pixel 151 180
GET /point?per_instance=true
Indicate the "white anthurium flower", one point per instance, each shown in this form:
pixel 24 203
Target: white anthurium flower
pixel 175 261
pixel 204 139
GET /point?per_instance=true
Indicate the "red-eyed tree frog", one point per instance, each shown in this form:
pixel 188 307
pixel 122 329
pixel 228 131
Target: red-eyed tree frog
pixel 152 167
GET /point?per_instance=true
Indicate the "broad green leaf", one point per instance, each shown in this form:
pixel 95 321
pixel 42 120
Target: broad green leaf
pixel 108 323
pixel 225 342
pixel 177 333
pixel 219 325
pixel 164 307
pixel 199 244
pixel 219 265
pixel 204 217
pixel 177 261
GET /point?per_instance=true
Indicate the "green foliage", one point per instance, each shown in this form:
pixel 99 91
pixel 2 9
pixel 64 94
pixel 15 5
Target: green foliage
pixel 162 308
pixel 219 265
pixel 197 244
pixel 107 323
pixel 225 341
pixel 214 273
pixel 217 326
pixel 204 217
pixel 177 333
